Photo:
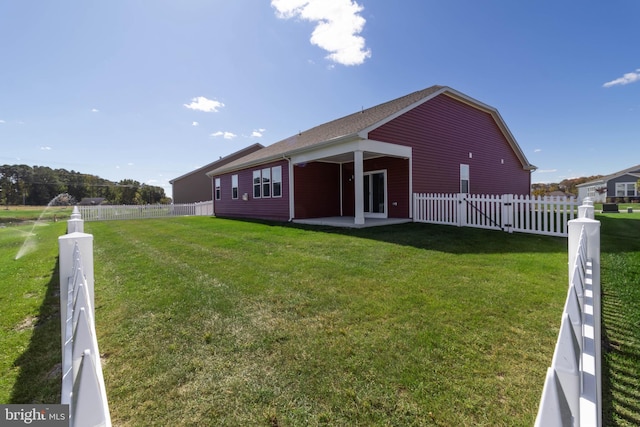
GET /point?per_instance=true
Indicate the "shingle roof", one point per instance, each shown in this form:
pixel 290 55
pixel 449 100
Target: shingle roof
pixel 343 126
pixel 351 125
pixel 220 162
pixel 629 171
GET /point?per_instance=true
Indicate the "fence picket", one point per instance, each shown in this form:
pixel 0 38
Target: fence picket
pixel 114 212
pixel 510 213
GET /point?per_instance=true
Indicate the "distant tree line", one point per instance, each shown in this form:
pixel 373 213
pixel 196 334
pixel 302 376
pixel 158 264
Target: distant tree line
pixel 567 186
pixel 39 185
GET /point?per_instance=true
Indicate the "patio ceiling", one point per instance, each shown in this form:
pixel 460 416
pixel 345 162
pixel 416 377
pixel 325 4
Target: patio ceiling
pixel 343 153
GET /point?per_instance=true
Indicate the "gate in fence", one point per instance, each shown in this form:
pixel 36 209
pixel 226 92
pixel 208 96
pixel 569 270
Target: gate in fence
pixel 510 213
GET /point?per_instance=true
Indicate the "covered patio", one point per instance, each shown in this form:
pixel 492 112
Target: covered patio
pixel 349 221
pixel 355 149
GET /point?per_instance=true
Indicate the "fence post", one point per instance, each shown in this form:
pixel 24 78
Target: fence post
pixel 462 210
pixel 507 215
pixel 592 389
pixel 66 246
pixel 76 223
pixel 586 210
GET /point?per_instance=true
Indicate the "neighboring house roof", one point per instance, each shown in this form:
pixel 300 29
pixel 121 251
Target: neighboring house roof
pixel 220 161
pixel 89 201
pixel 558 193
pixel 633 171
pixel 358 125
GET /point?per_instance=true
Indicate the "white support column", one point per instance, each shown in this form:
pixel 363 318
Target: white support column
pixel 292 201
pixel 358 171
pixel 411 195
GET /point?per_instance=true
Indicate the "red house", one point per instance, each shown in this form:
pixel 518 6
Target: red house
pixel 369 164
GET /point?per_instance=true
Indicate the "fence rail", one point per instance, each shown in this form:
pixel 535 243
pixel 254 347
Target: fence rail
pixel 114 212
pixel 83 387
pixel 572 393
pixel 510 213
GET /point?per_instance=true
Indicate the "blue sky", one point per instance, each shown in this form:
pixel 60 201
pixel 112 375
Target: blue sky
pixel 150 90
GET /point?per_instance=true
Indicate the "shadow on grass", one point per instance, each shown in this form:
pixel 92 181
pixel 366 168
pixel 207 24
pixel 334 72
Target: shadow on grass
pixel 442 238
pixel 620 363
pixel 40 375
pixel 619 233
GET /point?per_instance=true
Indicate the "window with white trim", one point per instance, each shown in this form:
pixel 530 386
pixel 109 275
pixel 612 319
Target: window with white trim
pixel 276 178
pixel 257 183
pixel 217 188
pixel 234 186
pixel 625 189
pixel 464 178
pixel 266 182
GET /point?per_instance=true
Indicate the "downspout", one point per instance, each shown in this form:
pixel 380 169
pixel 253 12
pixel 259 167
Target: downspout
pixel 213 196
pixel 291 198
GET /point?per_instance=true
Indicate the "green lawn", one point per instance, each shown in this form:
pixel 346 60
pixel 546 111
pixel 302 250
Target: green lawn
pixel 13 215
pixel 621 318
pixel 206 321
pixel 30 320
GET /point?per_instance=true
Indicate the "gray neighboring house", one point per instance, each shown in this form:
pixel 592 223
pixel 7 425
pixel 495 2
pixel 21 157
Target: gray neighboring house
pixel 196 186
pixel 619 187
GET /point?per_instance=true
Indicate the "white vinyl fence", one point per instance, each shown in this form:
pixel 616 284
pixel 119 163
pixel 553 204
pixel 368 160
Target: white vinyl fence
pixel 113 212
pixel 572 394
pixel 510 213
pixel 83 386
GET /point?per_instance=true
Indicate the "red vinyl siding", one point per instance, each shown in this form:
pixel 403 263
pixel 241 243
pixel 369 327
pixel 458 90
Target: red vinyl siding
pixel 271 208
pixel 442 133
pixel 317 190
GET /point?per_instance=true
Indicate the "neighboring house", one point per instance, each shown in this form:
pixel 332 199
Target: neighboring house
pixel 370 163
pixel 196 186
pixel 91 201
pixel 617 187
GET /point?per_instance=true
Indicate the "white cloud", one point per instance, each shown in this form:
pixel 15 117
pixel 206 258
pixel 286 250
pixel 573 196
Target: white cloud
pixel 537 150
pixel 45 148
pixel 625 79
pixel 2 121
pixel 338 26
pixel 195 124
pixel 94 110
pixel 225 135
pixel 201 103
pixel 258 133
pixel 546 170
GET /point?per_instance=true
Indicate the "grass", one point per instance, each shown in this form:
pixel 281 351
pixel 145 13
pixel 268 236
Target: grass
pixel 240 323
pixel 30 320
pixel 16 215
pixel 620 273
pixel 622 207
pixel 211 321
